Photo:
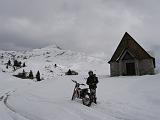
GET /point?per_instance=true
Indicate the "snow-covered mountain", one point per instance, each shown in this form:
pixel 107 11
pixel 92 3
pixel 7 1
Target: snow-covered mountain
pixel 119 98
pixel 44 60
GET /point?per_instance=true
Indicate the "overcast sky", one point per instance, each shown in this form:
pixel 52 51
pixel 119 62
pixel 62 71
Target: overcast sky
pixel 82 25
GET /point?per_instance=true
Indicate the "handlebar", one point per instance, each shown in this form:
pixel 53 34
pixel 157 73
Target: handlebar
pixel 77 82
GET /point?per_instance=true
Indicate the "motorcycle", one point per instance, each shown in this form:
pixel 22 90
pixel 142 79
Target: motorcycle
pixel 82 94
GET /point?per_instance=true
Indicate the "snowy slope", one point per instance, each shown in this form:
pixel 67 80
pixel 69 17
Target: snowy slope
pixel 44 60
pixel 119 98
pixel 8 85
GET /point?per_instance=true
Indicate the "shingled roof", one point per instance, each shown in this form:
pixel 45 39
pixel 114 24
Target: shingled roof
pixel 132 46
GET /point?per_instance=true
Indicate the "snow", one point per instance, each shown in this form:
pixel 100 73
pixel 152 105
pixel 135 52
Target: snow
pixel 119 98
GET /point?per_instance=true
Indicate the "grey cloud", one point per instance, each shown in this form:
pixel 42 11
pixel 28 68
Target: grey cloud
pixel 82 25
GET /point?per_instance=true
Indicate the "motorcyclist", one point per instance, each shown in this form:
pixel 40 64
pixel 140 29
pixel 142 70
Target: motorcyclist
pixel 92 81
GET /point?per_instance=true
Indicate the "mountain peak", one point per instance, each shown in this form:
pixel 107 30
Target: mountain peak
pixel 53 46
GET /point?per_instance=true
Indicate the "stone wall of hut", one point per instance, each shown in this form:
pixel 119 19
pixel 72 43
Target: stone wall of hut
pixel 146 67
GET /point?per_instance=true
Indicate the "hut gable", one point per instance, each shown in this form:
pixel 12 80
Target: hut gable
pixel 131 59
pixel 127 56
pixel 128 43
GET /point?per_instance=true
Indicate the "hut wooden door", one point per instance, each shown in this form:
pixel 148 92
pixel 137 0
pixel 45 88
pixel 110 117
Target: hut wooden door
pixel 130 67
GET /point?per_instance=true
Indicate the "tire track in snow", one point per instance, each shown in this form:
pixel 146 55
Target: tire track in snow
pixel 74 109
pixel 58 108
pixel 88 113
pixel 4 108
pixel 66 109
pixel 15 115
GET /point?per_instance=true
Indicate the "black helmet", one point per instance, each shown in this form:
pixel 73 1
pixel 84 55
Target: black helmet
pixel 90 72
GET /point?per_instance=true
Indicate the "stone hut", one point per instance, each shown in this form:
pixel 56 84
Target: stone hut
pixel 131 59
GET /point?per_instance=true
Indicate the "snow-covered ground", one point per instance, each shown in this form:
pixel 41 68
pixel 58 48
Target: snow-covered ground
pixel 119 98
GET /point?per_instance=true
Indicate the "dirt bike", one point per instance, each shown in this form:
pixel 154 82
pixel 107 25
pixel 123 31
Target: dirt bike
pixel 82 94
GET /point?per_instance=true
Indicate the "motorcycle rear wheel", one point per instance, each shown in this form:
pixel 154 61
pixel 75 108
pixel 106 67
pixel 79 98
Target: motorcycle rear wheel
pixel 86 100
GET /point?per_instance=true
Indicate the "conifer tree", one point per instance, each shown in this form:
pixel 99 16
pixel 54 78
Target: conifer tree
pixel 16 63
pixel 19 64
pixel 24 65
pixel 9 63
pixel 38 76
pixel 23 74
pixel 69 72
pixel 31 74
pixel 7 66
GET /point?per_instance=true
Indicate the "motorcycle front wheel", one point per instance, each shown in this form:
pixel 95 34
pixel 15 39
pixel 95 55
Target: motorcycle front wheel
pixel 74 95
pixel 86 100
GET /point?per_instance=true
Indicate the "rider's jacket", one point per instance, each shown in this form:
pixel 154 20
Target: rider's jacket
pixel 92 82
